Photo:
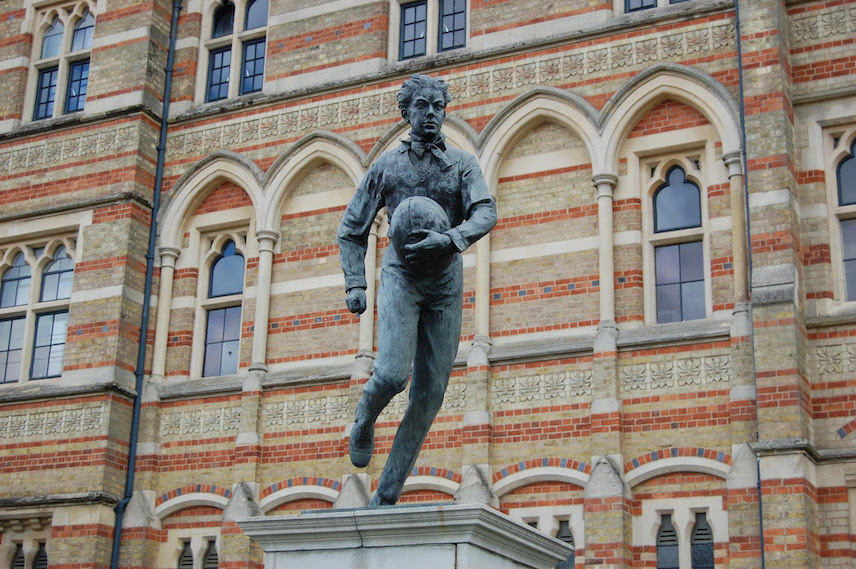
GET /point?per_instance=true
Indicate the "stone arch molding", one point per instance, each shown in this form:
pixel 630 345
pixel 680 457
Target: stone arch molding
pixel 602 131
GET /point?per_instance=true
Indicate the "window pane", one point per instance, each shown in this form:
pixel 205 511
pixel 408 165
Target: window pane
pixel 668 264
pixel 691 262
pixel 257 11
pixel 229 358
pixel 57 278
pixel 667 557
pixel 692 300
pixel 40 362
pixel 52 42
pixel 232 327
pixel 669 303
pixel 632 5
pixel 453 24
pixel 222 342
pixel 83 32
pixel 677 204
pixel 15 285
pixel 219 67
pixel 78 83
pixel 215 325
pixel 212 360
pixel 847 179
pixel 11 341
pixel 848 237
pixel 224 20
pixel 46 93
pixel 227 273
pixel 252 73
pixel 55 360
pixel 49 345
pixel 413 26
pixel 16 339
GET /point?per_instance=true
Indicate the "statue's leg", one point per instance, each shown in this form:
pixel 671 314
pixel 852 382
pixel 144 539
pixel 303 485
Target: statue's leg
pixel 436 346
pixel 398 314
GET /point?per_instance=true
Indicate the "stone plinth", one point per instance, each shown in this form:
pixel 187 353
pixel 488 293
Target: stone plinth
pixel 411 537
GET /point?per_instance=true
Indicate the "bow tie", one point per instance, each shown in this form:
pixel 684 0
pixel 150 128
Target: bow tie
pixel 420 148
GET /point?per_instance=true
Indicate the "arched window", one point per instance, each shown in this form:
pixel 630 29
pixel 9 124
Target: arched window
pixel 83 32
pixel 702 543
pixel 41 561
pixel 15 285
pixel 211 560
pixel 223 331
pixel 847 197
pixel 257 13
pixel 667 545
pixel 56 281
pixel 679 267
pixel 227 273
pixel 185 560
pixel 677 204
pixel 567 536
pixel 250 42
pixel 52 41
pixel 224 20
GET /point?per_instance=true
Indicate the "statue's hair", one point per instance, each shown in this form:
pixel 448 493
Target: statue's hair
pixel 417 82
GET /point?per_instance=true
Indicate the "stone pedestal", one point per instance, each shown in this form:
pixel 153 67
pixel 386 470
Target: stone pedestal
pixel 411 537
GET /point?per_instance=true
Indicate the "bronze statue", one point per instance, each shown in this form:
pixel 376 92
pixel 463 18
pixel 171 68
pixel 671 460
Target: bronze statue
pixel 438 204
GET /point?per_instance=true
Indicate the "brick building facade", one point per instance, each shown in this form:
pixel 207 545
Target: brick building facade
pixel 656 320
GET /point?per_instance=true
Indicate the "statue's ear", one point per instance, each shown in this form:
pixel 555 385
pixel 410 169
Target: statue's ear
pixel 404 115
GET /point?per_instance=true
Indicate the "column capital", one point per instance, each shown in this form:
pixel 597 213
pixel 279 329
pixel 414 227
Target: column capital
pixel 734 162
pixel 168 255
pixel 267 238
pixel 604 183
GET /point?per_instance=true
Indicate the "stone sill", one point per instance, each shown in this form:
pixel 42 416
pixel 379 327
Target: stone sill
pixel 38 389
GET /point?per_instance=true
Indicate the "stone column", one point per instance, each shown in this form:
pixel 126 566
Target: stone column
pixel 168 255
pixel 367 319
pixel 483 287
pixel 605 184
pixel 738 227
pixel 267 239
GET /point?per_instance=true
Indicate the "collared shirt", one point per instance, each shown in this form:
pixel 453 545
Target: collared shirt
pixel 449 176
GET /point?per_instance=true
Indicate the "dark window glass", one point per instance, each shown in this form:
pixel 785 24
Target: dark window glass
pixel 253 67
pixel 227 273
pixel 633 5
pixel 414 22
pixel 15 285
pixel 224 20
pixel 680 282
pixel 41 561
pixel 49 346
pixel 222 341
pixel 847 178
pixel 667 545
pixel 565 535
pixel 52 42
pixel 257 11
pixel 185 560
pixel 219 68
pixel 19 560
pixel 11 347
pixel 78 80
pixel 453 24
pixel 702 544
pixel 677 204
pixel 83 32
pixel 56 282
pixel 676 1
pixel 211 560
pixel 848 238
pixel 45 93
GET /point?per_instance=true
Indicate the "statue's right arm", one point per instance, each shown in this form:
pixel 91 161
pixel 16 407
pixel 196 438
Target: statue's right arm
pixel 356 224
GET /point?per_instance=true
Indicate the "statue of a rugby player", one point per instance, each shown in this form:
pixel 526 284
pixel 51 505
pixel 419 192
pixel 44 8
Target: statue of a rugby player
pixel 438 204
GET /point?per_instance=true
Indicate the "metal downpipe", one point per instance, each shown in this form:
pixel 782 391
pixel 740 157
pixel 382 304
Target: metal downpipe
pixel 147 292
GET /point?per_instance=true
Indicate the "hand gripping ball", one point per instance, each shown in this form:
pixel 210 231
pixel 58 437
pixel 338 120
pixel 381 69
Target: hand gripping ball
pixel 409 221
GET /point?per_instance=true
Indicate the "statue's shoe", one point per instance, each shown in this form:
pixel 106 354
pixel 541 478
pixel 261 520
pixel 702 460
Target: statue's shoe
pixel 362 443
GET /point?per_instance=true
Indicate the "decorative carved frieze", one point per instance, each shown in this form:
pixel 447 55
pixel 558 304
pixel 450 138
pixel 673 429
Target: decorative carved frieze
pixel 62 421
pixel 680 373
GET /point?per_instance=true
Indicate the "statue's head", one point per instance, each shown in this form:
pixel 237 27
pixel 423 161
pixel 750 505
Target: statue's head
pixel 423 101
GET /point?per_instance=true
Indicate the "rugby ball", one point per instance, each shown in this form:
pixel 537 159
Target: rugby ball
pixel 410 219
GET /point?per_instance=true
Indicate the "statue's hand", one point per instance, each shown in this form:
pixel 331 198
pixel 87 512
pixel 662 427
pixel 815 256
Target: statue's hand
pixel 434 244
pixel 356 300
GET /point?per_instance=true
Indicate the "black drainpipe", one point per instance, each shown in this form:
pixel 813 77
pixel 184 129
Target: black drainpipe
pixel 147 291
pixel 748 238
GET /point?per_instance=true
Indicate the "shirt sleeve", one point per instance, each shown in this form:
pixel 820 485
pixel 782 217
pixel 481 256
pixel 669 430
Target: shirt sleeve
pixel 356 224
pixel 479 206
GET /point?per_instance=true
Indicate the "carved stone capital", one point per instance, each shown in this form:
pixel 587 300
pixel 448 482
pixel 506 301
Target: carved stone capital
pixel 168 255
pixel 734 162
pixel 267 238
pixel 605 184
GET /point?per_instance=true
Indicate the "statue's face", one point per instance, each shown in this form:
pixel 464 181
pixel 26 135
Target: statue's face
pixel 426 113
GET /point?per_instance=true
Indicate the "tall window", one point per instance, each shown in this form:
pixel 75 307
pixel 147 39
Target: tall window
pixel 426 27
pixel 185 560
pixel 63 64
pixel 33 323
pixel 847 197
pixel 565 535
pixel 19 561
pixel 635 5
pixel 702 543
pixel 228 76
pixel 211 559
pixel 223 329
pixel 679 267
pixel 667 545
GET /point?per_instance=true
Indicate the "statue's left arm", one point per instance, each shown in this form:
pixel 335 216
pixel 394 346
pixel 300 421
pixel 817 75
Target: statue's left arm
pixel 479 206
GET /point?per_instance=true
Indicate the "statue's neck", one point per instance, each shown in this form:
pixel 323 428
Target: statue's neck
pixel 423 139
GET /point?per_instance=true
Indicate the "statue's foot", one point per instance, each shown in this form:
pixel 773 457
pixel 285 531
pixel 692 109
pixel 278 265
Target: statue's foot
pixel 362 443
pixel 377 502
